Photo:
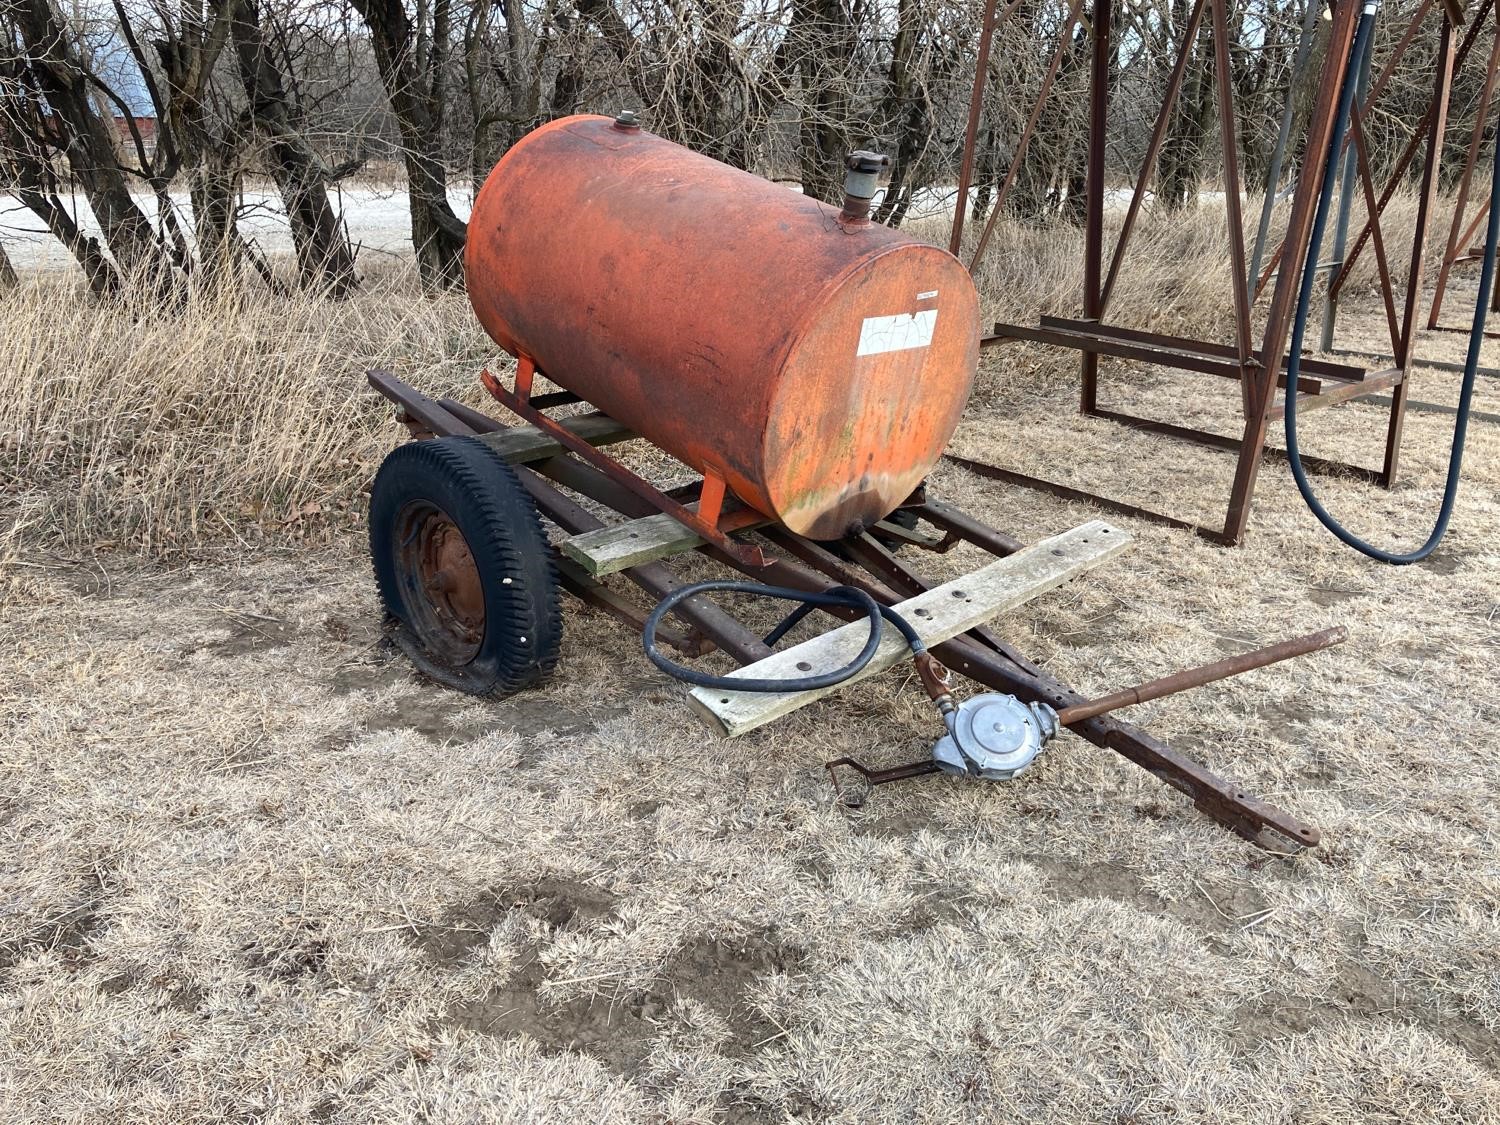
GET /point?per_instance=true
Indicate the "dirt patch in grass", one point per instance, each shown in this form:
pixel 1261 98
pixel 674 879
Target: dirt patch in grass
pixel 619 1029
pixel 1364 995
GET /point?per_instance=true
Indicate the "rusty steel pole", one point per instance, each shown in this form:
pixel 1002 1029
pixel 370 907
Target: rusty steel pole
pixel 1455 247
pixel 1094 180
pixel 971 130
pixel 1204 674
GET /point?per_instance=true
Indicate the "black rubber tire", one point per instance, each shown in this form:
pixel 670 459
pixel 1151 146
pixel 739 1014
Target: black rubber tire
pixel 477 491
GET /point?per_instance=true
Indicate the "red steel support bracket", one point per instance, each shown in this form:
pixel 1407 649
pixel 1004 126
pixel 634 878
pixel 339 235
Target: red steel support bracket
pixel 711 532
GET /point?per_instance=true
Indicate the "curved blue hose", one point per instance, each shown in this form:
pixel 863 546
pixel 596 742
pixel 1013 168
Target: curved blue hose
pixel 1304 303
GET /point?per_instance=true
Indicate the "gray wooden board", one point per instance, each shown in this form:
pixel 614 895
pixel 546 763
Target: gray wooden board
pixel 520 444
pixel 938 615
pixel 624 545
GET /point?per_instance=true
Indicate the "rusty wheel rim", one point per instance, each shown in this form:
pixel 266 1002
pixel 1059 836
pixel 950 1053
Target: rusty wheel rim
pixel 445 597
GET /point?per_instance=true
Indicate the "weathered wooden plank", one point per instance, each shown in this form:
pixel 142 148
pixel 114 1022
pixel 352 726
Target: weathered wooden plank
pixel 938 615
pixel 523 443
pixel 624 545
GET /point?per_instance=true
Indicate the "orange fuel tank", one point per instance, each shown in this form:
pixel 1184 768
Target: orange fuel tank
pixel 818 368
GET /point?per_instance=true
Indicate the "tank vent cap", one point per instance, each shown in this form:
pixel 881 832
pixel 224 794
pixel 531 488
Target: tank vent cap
pixel 862 172
pixel 627 121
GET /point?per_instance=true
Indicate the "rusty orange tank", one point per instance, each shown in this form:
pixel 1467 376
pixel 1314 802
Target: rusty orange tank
pixel 818 368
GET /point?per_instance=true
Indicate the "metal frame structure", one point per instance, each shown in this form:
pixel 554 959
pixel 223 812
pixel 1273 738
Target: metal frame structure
pixel 1462 230
pixel 868 563
pixel 1258 369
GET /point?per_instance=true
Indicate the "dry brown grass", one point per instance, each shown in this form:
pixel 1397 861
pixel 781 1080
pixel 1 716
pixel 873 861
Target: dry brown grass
pixel 222 423
pixel 253 869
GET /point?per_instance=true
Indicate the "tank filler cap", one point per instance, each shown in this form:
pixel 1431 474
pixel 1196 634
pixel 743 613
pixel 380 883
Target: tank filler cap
pixel 627 121
pixel 862 172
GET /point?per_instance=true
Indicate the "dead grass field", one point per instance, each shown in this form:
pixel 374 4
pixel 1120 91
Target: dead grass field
pixel 253 869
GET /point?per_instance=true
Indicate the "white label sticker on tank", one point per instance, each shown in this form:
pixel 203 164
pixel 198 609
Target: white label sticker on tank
pixel 896 333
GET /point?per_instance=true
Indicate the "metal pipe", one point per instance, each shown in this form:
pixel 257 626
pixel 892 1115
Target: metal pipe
pixel 967 528
pixel 1094 179
pixel 1347 172
pixel 1283 136
pixel 971 131
pixel 1203 674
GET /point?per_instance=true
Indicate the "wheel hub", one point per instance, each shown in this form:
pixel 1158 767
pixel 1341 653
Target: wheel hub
pixel 437 567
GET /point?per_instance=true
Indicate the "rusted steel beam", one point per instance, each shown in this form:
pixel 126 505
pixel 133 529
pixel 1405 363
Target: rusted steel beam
pixel 586 588
pixel 1377 235
pixel 477 421
pixel 1427 200
pixel 1471 158
pixel 1460 205
pixel 1317 465
pixel 1224 78
pixel 1343 371
pixel 1397 175
pixel 517 402
pixel 1190 678
pixel 1378 381
pixel 1427 195
pixel 425 411
pixel 1294 246
pixel 971 128
pixel 1067 492
pixel 655 579
pixel 1100 343
pixel 966 527
pixel 1459 328
pixel 1094 178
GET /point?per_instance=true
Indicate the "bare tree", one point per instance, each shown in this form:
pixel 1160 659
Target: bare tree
pixel 307 89
pixel 187 135
pixel 325 260
pixel 413 57
pixel 1185 148
pixel 8 279
pixel 52 63
pixel 824 46
pixel 26 157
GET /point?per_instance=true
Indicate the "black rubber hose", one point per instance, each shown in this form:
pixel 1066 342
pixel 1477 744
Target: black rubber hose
pixel 846 596
pixel 1362 40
